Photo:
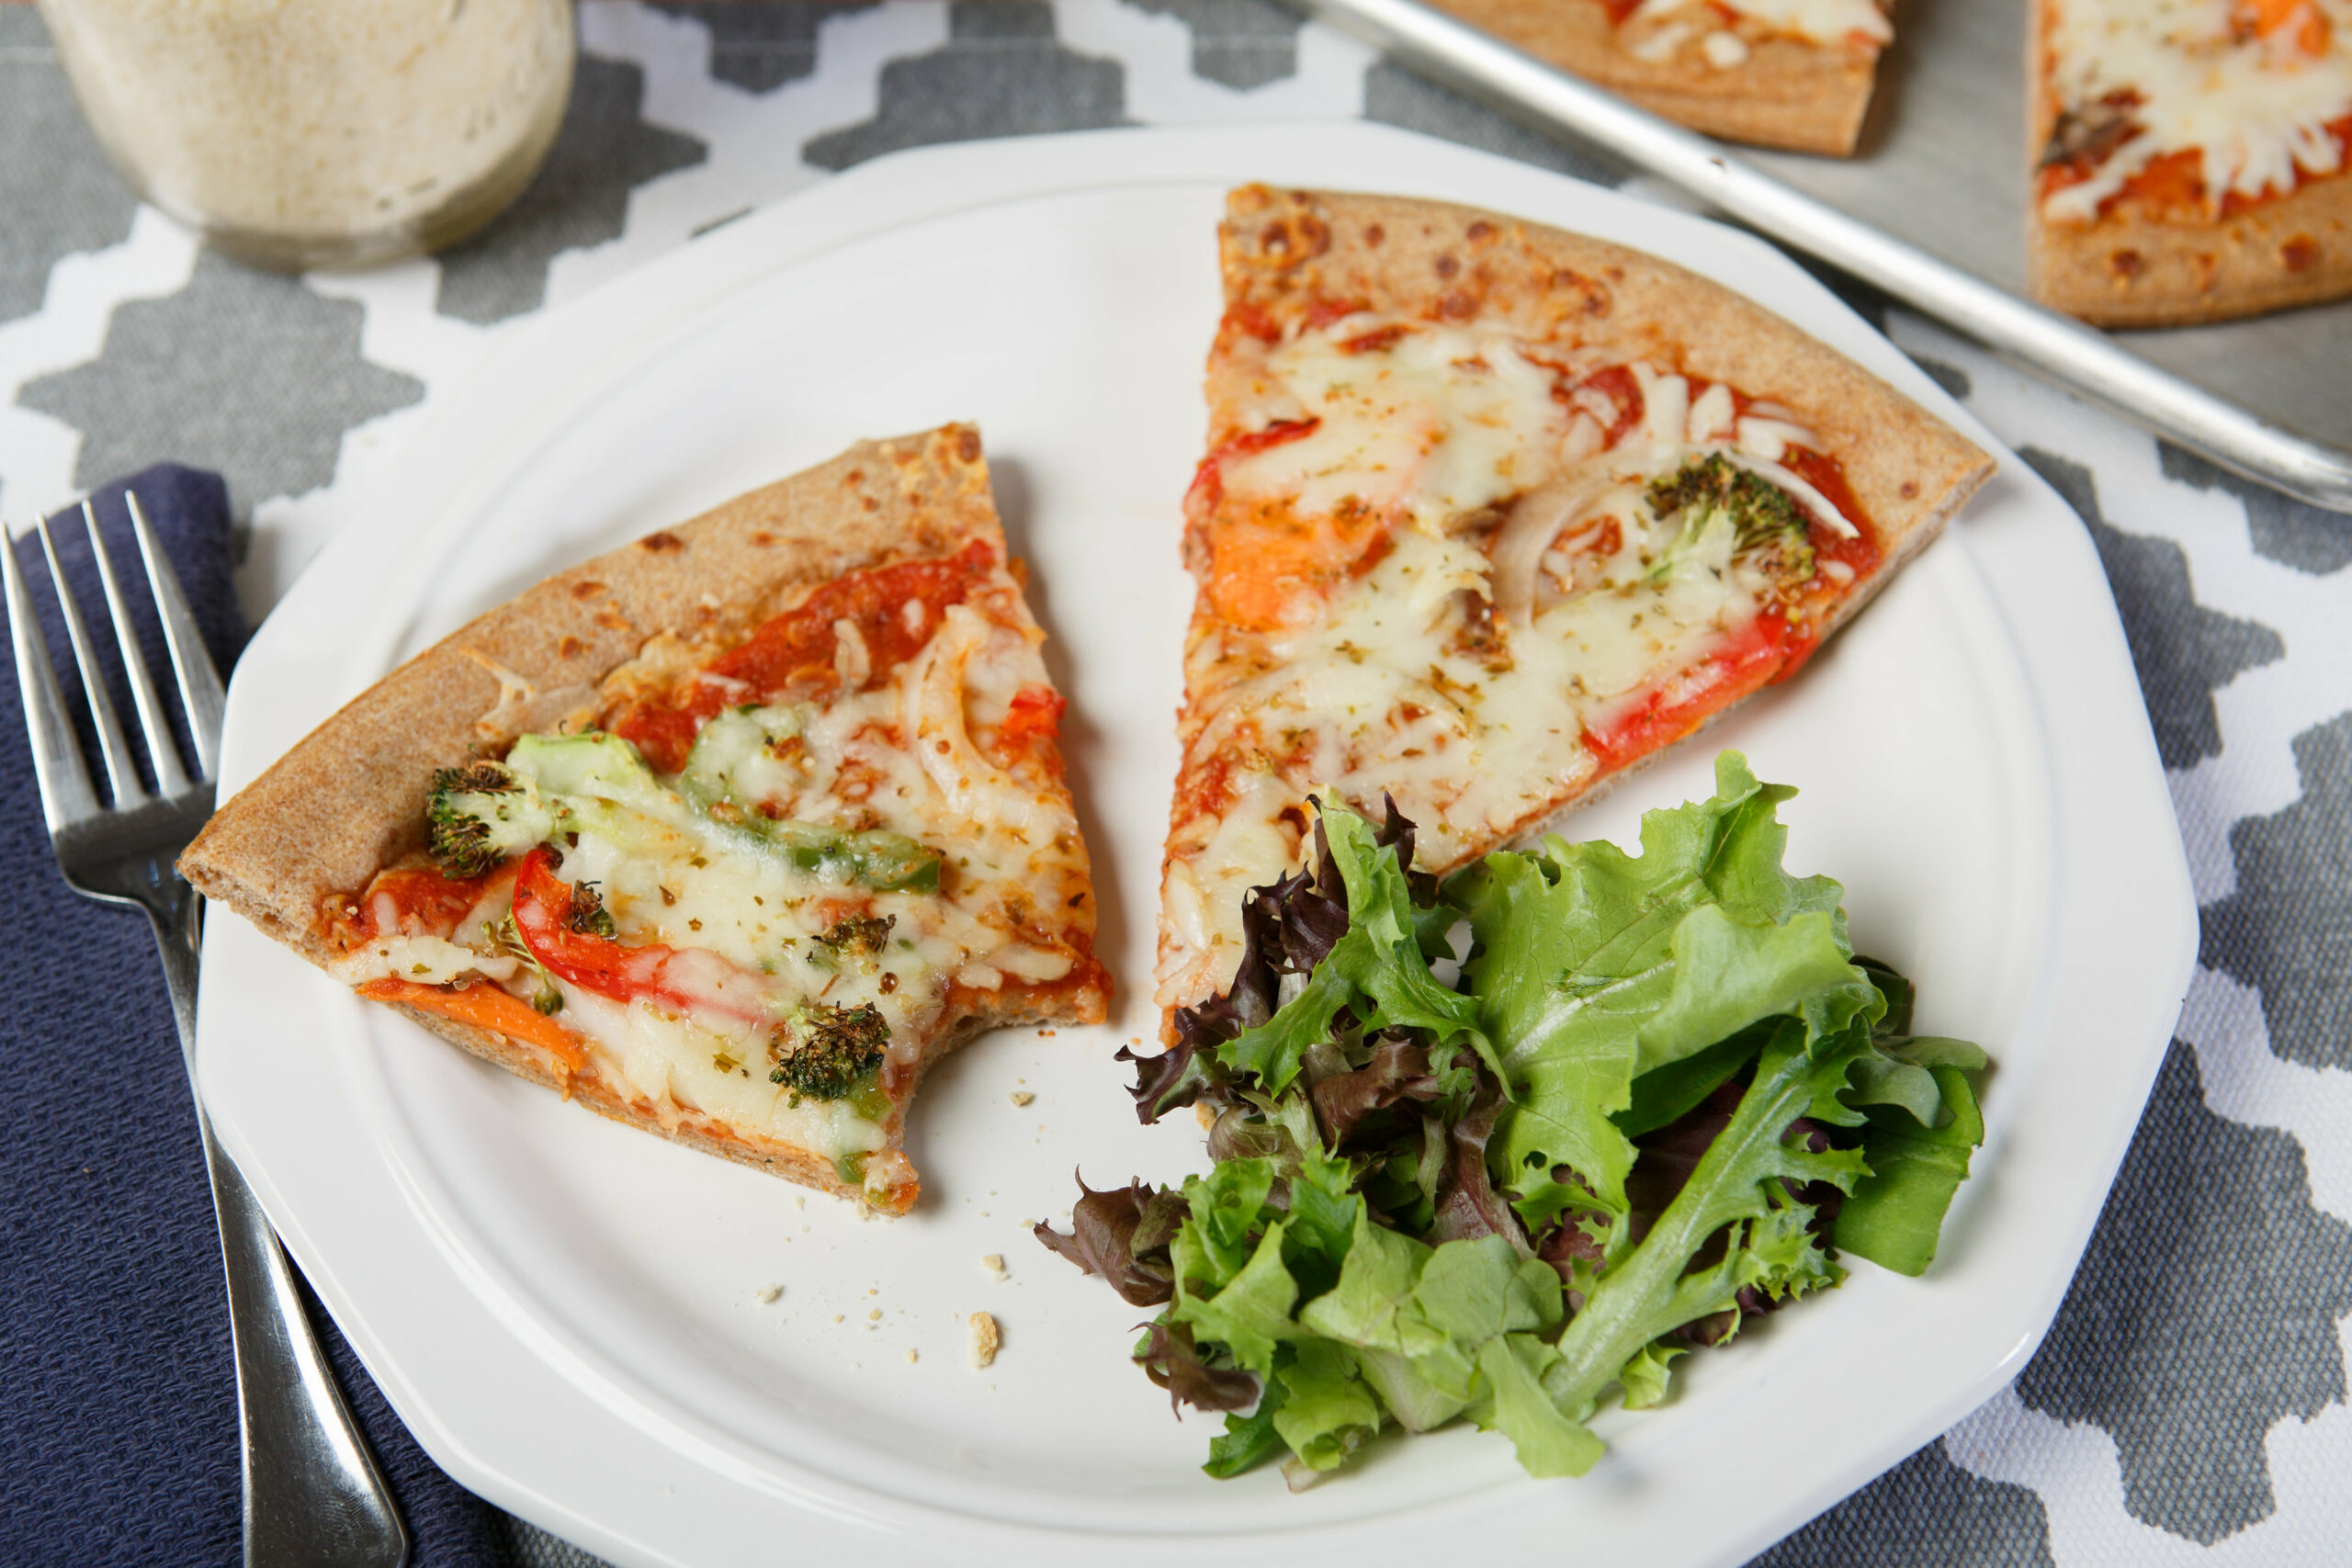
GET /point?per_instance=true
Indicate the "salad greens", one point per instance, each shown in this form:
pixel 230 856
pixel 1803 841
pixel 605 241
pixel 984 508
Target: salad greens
pixel 1659 1097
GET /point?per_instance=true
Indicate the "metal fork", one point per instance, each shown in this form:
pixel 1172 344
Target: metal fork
pixel 313 1493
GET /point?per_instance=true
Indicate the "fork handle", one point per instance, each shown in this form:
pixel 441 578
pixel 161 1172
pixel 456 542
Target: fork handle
pixel 313 1493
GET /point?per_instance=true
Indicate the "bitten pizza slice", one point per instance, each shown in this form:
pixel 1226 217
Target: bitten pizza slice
pixel 728 834
pixel 2192 157
pixel 1792 73
pixel 1491 514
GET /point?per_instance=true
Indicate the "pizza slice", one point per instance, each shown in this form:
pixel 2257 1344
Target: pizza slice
pixel 729 834
pixel 1792 73
pixel 1492 514
pixel 2191 159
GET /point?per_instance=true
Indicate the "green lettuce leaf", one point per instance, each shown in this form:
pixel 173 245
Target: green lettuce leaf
pixel 1251 1312
pixel 1247 1441
pixel 1327 1412
pixel 1227 1206
pixel 1593 968
pixel 1378 972
pixel 1548 1442
pixel 1349 1262
pixel 1897 1212
pixel 1644 1377
pixel 1741 1182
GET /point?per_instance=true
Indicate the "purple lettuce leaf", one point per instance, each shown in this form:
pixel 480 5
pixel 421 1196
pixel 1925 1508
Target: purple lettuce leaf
pixel 1122 1233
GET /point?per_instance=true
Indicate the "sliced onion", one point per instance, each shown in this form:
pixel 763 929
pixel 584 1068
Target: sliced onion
pixel 1769 438
pixel 1711 414
pixel 1535 520
pixel 932 716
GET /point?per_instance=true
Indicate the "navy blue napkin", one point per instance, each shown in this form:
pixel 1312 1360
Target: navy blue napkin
pixel 117 1390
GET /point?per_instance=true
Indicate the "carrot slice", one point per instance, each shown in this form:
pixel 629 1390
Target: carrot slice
pixel 486 1007
pixel 2266 17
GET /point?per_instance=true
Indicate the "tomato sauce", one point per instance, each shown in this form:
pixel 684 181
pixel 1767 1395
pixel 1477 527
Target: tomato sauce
pixel 1208 480
pixel 1377 341
pixel 1252 320
pixel 1032 722
pixel 419 900
pixel 1618 385
pixel 2173 187
pixel 792 654
pixel 1825 474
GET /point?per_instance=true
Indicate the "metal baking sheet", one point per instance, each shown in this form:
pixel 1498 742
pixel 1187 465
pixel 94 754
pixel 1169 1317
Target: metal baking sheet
pixel 1932 212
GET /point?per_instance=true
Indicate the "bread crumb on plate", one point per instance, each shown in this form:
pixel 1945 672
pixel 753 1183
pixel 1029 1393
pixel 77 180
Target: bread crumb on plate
pixel 985 1339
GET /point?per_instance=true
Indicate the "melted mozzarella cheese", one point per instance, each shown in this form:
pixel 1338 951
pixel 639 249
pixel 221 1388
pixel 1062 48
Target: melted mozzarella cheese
pixel 1818 21
pixel 747 922
pixel 2257 109
pixel 677 1063
pixel 1443 422
pixel 427 960
pixel 1474 737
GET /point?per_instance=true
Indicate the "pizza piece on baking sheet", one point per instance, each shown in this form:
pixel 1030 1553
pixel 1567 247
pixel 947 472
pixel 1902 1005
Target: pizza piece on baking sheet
pixel 1491 515
pixel 1792 73
pixel 2192 157
pixel 728 834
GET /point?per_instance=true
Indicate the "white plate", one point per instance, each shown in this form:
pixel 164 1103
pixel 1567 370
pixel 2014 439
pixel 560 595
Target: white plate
pixel 565 1309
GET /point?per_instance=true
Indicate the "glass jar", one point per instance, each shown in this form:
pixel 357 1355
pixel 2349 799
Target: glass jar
pixel 301 133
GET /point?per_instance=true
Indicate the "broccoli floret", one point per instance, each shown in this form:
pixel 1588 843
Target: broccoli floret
pixel 479 814
pixel 1771 529
pixel 459 816
pixel 828 1052
pixel 859 934
pixel 588 915
pixel 503 937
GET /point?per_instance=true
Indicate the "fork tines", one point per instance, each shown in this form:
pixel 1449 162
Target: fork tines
pixel 67 794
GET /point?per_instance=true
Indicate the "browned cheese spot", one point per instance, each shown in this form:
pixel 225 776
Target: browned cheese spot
pixel 570 647
pixel 2300 254
pixel 1447 266
pixel 2125 264
pixel 1456 305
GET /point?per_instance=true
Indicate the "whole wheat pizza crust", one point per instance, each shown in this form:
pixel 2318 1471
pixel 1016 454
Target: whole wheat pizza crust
pixel 2138 265
pixel 344 803
pixel 1908 469
pixel 1284 251
pixel 1787 93
pixel 2132 269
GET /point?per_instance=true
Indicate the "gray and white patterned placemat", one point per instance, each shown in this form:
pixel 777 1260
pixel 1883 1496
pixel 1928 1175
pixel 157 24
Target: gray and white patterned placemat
pixel 2190 1405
